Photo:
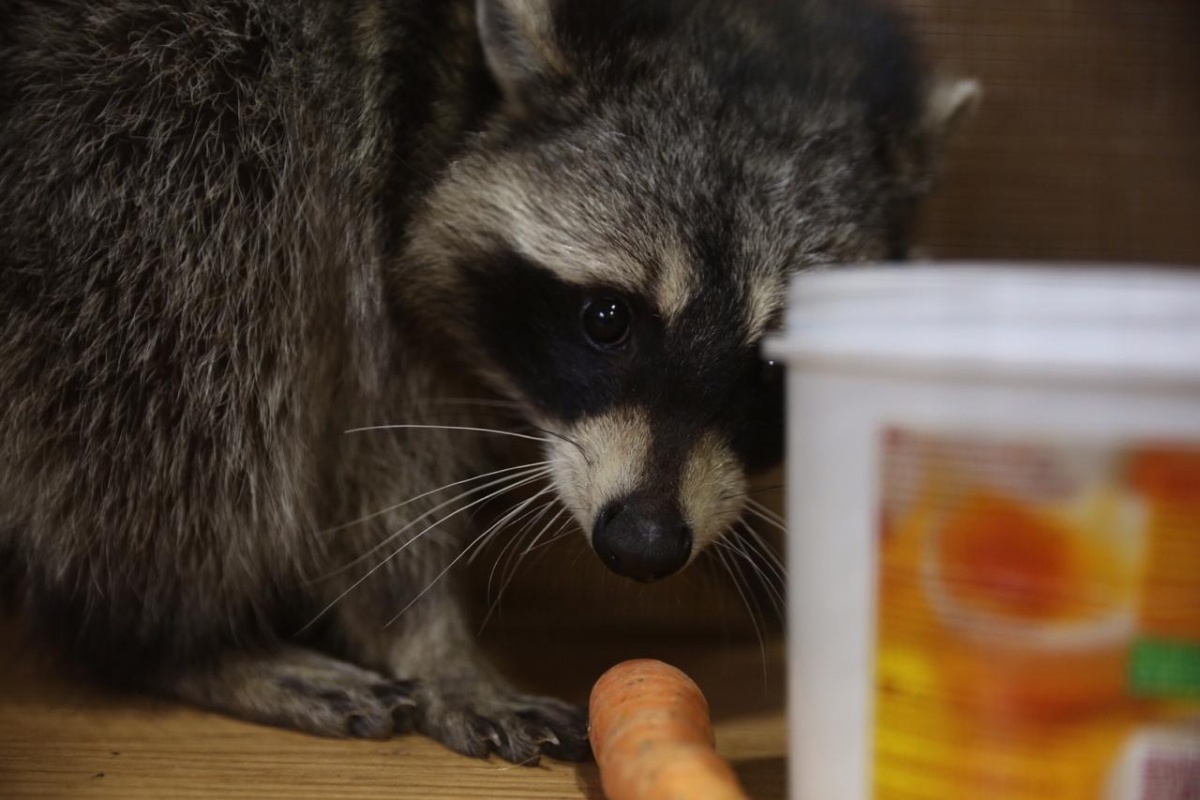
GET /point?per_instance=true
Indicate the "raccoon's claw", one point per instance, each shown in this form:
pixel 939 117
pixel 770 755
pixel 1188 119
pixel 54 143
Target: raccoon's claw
pixel 519 729
pixel 399 697
pixel 488 733
pixel 562 727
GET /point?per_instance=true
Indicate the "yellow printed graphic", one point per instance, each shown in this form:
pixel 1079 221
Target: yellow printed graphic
pixel 1039 622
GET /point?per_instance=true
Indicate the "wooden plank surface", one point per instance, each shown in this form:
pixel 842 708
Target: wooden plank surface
pixel 62 739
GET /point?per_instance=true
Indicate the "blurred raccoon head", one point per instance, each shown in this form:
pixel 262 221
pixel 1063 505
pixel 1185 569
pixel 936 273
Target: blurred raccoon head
pixel 614 243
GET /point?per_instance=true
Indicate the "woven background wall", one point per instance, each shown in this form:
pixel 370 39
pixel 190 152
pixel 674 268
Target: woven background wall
pixel 1087 144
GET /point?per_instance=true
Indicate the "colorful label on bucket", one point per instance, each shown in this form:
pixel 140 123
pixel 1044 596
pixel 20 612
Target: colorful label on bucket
pixel 1039 621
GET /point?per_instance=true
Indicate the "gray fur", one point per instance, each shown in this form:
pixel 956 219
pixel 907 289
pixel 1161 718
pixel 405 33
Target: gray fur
pixel 232 230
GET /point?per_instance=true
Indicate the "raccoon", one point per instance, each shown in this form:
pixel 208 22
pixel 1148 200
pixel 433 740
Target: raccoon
pixel 233 231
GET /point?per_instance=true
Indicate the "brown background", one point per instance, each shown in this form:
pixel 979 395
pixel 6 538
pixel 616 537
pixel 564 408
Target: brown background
pixel 1086 146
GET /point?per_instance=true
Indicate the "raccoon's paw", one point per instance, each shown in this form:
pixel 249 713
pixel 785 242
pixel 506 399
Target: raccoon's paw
pixel 519 728
pixel 305 691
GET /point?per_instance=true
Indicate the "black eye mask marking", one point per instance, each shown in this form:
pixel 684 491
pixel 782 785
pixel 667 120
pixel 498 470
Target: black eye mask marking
pixel 758 431
pixel 569 348
pixel 582 351
pixel 706 377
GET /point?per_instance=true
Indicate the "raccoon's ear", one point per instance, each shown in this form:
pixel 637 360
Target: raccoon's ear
pixel 947 102
pixel 519 41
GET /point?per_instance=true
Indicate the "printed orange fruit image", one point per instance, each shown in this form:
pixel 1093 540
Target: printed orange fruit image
pixel 1000 557
pixel 1003 558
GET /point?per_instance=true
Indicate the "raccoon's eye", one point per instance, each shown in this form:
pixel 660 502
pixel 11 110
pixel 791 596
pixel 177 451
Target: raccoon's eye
pixel 607 321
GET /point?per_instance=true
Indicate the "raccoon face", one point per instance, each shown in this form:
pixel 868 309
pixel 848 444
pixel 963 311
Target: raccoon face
pixel 614 244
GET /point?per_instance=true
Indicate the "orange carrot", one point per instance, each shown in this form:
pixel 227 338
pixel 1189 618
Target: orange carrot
pixel 653 739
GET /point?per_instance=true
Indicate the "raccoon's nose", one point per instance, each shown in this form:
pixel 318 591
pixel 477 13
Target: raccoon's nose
pixel 642 539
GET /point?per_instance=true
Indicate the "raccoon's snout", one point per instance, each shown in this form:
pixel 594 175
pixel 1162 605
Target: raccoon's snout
pixel 650 495
pixel 643 539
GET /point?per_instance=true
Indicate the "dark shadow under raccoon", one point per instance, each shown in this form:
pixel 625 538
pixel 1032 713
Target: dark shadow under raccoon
pixel 231 231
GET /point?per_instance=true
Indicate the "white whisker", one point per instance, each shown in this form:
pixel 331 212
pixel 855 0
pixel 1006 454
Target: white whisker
pixel 743 548
pixel 492 431
pixel 524 481
pixel 516 566
pixel 764 549
pixel 432 492
pixel 766 510
pixel 525 472
pixel 533 515
pixel 527 516
pixel 530 516
pixel 736 575
pixel 527 509
pixel 781 526
pixel 483 536
pixel 558 536
pixel 520 554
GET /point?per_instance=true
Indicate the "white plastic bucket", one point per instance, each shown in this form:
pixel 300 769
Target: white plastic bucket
pixel 994 556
